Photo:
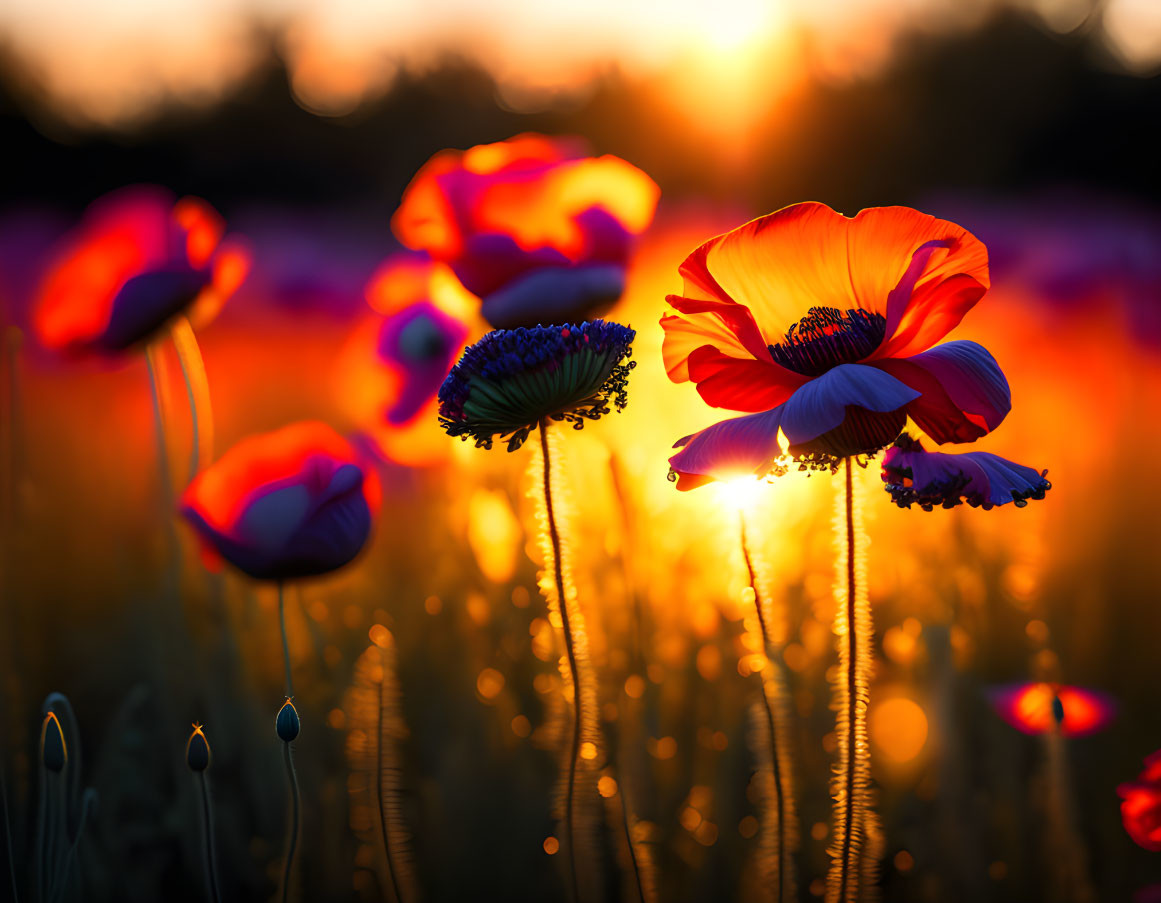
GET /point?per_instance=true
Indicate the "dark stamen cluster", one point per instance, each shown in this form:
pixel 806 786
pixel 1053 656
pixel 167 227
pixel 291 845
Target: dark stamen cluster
pixel 827 337
pixel 512 379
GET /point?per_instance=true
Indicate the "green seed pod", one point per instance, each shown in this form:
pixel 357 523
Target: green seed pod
pixel 287 723
pixel 53 753
pixel 197 750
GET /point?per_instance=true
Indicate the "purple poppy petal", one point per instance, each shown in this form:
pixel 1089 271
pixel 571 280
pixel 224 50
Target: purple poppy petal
pixel 491 260
pixel 915 476
pixel 555 295
pixel 964 392
pixel 296 530
pixel 606 238
pixel 820 405
pixel 146 301
pixel 741 446
pixel 1009 481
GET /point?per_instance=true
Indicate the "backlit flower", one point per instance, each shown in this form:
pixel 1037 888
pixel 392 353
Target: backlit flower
pixel 418 340
pixel 1035 708
pixel 917 477
pixel 531 225
pixel 1141 805
pixel 292 503
pixel 512 379
pixel 822 326
pixel 137 260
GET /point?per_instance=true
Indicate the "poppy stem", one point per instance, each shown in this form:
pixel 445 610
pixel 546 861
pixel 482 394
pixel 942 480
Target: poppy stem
pixel 854 826
pixel 7 826
pixel 212 885
pixel 573 668
pixel 771 684
pixel 197 389
pixel 381 796
pixel 295 803
pixel 285 645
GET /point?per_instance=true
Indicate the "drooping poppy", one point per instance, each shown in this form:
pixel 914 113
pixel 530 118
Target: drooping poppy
pixel 822 327
pixel 1038 707
pixel 1141 805
pixel 137 260
pixel 534 227
pixel 512 379
pixel 296 502
pixel 914 476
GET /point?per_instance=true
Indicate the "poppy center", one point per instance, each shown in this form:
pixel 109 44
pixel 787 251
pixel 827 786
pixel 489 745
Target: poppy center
pixel 422 340
pixel 827 337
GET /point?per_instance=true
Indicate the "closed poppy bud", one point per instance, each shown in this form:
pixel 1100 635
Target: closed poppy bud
pixel 53 753
pixel 293 503
pixel 287 724
pixel 197 750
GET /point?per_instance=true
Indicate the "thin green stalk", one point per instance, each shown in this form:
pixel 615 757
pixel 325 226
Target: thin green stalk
pixel 574 671
pixel 208 828
pixel 8 834
pixel 295 802
pixel 285 644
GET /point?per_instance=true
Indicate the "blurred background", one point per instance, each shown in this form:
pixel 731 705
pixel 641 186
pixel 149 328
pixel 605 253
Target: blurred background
pixel 1033 123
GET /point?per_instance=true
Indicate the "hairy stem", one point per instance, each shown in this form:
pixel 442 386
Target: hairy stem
pixel 574 671
pixel 397 896
pixel 854 822
pixel 295 802
pixel 780 844
pixel 208 829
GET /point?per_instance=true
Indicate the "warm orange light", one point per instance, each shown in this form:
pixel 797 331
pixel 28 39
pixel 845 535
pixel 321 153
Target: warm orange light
pixel 899 729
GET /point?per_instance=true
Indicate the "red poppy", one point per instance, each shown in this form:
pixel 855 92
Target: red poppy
pixel 823 326
pixel 1035 708
pixel 137 260
pixel 1141 805
pixel 292 503
pixel 538 230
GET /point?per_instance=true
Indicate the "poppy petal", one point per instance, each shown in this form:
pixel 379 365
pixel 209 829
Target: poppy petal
pixel 964 394
pixel 740 385
pixel 555 295
pixel 821 404
pixel 915 476
pixel 741 446
pixel 807 255
pixel 147 301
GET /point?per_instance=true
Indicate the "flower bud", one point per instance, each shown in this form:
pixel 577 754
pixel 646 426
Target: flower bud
pixel 53 753
pixel 197 750
pixel 287 724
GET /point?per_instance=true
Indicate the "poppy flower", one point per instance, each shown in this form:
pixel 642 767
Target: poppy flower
pixel 137 260
pixel 1141 805
pixel 296 502
pixel 534 227
pixel 822 327
pixel 418 340
pixel 512 379
pixel 927 479
pixel 1035 708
